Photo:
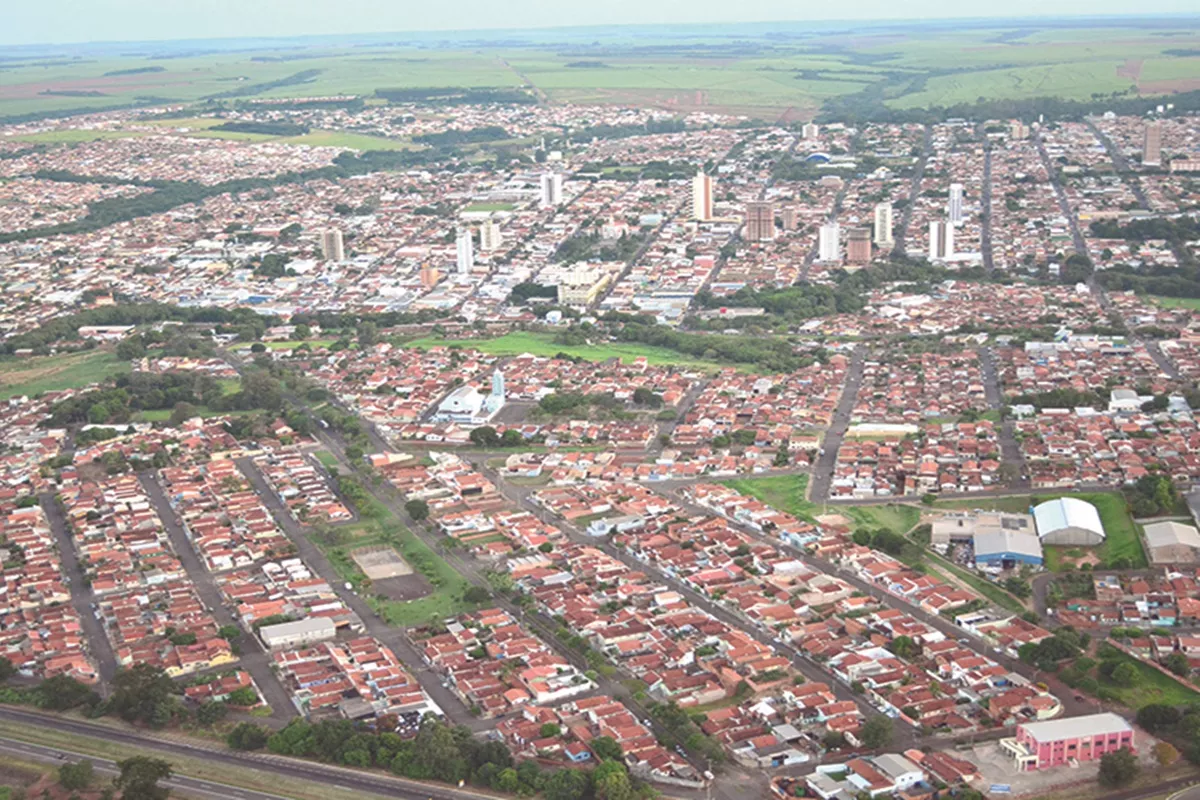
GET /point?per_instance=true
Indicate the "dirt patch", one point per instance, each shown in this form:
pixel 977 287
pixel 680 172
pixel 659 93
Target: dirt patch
pixel 406 587
pixel 379 563
pixel 834 521
pixel 1169 87
pixel 1132 69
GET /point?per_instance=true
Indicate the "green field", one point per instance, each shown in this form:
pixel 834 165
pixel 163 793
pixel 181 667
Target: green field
pixel 30 376
pixel 74 136
pixel 1151 687
pixel 1190 303
pixel 786 73
pixel 543 344
pixel 896 518
pixel 489 207
pixel 1121 535
pixel 782 492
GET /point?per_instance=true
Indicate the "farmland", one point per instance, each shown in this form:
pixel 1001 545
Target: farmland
pixel 789 74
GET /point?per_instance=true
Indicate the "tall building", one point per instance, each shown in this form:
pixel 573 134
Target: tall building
pixel 790 218
pixel 1018 130
pixel 810 130
pixel 490 237
pixel 552 189
pixel 1152 146
pixel 858 246
pixel 829 243
pixel 883 225
pixel 465 251
pixel 760 221
pixel 332 248
pixel 941 241
pixel 954 207
pixel 702 197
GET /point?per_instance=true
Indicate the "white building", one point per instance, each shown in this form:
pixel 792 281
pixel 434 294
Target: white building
pixel 295 634
pixel 552 189
pixel 829 245
pixel 490 236
pixel 332 247
pixel 702 197
pixel 1068 521
pixel 941 241
pixel 883 225
pixel 465 258
pixel 954 208
pixel 810 130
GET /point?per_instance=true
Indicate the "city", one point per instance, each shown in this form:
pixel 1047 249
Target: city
pixel 431 442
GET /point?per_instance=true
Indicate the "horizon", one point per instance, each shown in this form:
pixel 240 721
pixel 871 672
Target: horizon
pixel 1165 9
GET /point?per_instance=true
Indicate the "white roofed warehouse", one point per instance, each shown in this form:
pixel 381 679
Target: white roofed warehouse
pixel 1068 521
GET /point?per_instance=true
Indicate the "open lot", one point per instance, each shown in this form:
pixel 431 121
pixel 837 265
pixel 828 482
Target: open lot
pixel 30 376
pixel 543 344
pixel 782 492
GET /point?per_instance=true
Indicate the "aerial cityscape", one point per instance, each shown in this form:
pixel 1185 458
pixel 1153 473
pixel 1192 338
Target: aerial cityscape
pixel 587 408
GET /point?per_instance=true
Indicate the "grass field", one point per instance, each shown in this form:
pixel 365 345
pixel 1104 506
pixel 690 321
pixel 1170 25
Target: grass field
pixel 1151 687
pixel 896 518
pixel 1120 532
pixel 1190 303
pixel 73 136
pixel 32 376
pixel 782 492
pixel 543 344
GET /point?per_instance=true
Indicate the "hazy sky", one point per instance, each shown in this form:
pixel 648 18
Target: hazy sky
pixel 38 21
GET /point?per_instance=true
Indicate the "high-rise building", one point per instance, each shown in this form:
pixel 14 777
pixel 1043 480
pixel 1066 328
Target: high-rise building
pixel 490 237
pixel 552 189
pixel 1152 146
pixel 332 248
pixel 702 197
pixel 810 130
pixel 465 259
pixel 1018 130
pixel 858 246
pixel 829 243
pixel 790 218
pixel 954 207
pixel 760 221
pixel 941 241
pixel 883 225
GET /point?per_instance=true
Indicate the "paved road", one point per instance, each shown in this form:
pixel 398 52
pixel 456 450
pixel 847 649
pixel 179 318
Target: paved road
pixel 985 237
pixel 1118 159
pixel 818 489
pixel 375 625
pixel 254 658
pixel 149 744
pixel 82 595
pixel 1010 449
pixel 1064 203
pixel 900 247
pixel 194 787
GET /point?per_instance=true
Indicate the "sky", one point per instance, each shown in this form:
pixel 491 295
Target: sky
pixel 62 21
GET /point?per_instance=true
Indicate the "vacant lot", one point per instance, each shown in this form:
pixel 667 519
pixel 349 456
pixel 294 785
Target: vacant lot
pixel 32 376
pixel 782 492
pixel 543 344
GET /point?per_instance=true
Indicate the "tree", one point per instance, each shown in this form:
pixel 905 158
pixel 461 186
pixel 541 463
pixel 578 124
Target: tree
pixel 143 693
pixel 566 784
pixel 1155 717
pixel 7 670
pixel 182 413
pixel 436 752
pixel 417 509
pixel 476 594
pixel 75 776
pixel 1118 768
pixel 1178 663
pixel 1165 754
pixel 368 334
pixel 247 736
pixel 1125 674
pixel 610 781
pixel 876 732
pixel 140 776
pixel 211 713
pixel 63 692
pixel 550 729
pixel 903 646
pixel 485 436
pixel 606 748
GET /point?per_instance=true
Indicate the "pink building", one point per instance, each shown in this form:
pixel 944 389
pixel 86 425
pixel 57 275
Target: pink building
pixel 1039 745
